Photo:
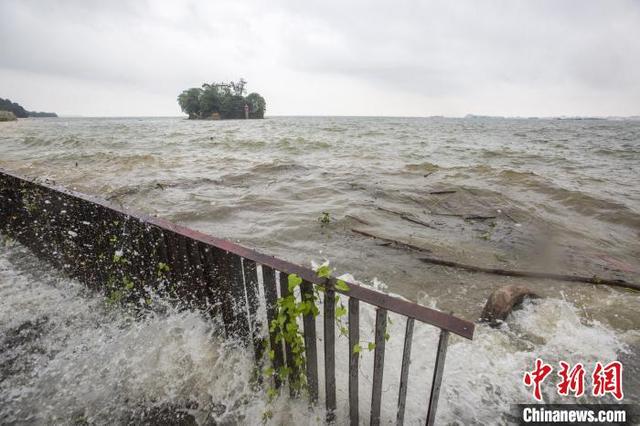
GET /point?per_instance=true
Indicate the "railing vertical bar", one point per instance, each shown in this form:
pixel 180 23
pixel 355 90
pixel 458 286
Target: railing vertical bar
pixel 311 351
pixel 378 365
pixel 172 254
pixel 211 290
pixel 437 377
pixel 182 283
pixel 10 202
pixel 183 261
pixel 404 373
pixel 25 233
pixel 60 235
pixel 330 352
pixel 6 201
pixel 271 296
pixel 195 260
pixel 129 268
pixel 217 287
pixel 145 256
pixel 98 242
pixel 232 264
pixel 160 248
pixel 33 218
pixel 197 273
pixel 251 285
pixel 293 369
pixel 124 268
pixel 76 212
pixel 101 245
pixel 56 235
pixel 52 236
pixel 18 221
pixel 354 358
pixel 93 232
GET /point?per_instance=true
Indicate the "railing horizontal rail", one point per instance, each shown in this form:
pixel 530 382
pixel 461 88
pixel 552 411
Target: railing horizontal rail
pixel 421 313
pixel 127 255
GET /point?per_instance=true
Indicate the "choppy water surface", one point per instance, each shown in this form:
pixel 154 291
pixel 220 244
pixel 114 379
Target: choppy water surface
pixel 565 195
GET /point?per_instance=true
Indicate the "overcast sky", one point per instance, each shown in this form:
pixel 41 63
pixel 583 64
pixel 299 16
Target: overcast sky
pixel 409 58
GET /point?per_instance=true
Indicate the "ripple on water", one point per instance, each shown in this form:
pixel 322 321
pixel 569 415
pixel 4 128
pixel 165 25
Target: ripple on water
pixel 266 182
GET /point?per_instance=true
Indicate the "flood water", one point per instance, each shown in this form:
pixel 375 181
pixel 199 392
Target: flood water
pixel 553 195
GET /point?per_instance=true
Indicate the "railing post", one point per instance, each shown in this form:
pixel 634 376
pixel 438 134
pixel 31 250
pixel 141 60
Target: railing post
pixel 330 352
pixel 271 298
pixel 354 358
pixel 437 377
pixel 378 365
pixel 404 373
pixel 250 270
pixel 294 371
pixel 310 347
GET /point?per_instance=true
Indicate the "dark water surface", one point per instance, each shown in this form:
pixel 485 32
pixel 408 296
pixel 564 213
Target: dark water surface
pixel 556 195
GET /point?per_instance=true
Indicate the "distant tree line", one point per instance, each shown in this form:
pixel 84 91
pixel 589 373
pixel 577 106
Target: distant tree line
pixel 221 101
pixel 20 112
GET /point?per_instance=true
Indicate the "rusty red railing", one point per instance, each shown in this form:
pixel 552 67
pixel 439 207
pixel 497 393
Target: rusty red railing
pixel 124 254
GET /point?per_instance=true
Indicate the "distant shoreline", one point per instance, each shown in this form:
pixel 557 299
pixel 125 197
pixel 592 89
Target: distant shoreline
pixel 477 117
pixel 20 112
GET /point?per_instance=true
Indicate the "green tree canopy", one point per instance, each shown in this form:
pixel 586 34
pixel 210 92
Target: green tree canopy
pixel 257 105
pixel 221 100
pixel 189 101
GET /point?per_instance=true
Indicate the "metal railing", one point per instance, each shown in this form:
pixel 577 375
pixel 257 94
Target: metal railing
pixel 104 246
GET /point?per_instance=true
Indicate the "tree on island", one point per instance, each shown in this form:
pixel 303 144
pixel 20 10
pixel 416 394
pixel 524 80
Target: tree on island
pixel 221 101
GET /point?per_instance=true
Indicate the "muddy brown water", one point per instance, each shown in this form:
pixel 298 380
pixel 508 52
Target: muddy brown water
pixel 552 195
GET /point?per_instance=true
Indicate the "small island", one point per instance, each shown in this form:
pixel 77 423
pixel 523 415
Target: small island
pixel 221 101
pixel 18 111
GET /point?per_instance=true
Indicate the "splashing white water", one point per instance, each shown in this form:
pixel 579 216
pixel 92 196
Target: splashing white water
pixel 67 357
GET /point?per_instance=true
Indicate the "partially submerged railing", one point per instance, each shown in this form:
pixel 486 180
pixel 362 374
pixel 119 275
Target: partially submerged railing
pixel 125 253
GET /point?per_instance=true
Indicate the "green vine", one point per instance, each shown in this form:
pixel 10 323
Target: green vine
pixel 285 329
pixel 324 218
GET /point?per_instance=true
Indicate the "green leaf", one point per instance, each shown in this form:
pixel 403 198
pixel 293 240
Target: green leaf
pixel 293 282
pixel 340 311
pixel 357 348
pixel 283 372
pixel 324 271
pixel 371 346
pixel 342 286
pixel 128 284
pixel 292 327
pixel 272 393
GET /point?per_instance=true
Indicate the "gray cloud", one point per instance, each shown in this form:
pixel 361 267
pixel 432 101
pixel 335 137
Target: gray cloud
pixel 585 43
pixel 404 58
